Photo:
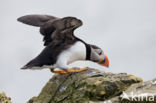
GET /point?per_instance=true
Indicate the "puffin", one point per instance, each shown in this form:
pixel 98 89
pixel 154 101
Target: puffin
pixel 62 47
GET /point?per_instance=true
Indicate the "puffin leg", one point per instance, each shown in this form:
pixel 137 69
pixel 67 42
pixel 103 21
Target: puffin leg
pixel 59 71
pixel 69 70
pixel 72 70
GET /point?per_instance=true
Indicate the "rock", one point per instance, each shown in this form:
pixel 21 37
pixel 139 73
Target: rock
pixel 91 86
pixel 144 92
pixel 141 93
pixel 4 98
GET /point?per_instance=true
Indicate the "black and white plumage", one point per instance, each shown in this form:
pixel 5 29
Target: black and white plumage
pixel 62 46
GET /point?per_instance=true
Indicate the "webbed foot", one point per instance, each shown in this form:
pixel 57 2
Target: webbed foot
pixel 69 70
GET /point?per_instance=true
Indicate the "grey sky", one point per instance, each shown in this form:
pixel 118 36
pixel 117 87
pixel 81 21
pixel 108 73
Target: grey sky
pixel 125 29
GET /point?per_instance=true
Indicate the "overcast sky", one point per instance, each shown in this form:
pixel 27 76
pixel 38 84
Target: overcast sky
pixel 124 29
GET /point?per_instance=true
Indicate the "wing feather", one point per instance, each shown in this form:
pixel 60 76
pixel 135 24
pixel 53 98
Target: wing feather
pixel 52 27
pixel 36 20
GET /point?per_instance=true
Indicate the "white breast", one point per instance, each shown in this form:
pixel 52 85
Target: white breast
pixel 74 53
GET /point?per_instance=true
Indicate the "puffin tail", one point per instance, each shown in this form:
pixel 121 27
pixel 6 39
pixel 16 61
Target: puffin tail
pixel 25 67
pixel 30 64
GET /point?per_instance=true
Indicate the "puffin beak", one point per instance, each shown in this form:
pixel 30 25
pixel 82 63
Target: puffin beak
pixel 104 62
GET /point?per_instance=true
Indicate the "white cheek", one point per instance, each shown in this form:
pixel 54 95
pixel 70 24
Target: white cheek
pixel 102 55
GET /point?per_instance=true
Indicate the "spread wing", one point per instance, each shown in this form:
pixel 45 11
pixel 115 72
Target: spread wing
pixel 52 27
pixel 36 20
pixel 42 21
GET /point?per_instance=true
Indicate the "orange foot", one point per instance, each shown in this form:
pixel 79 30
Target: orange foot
pixel 69 70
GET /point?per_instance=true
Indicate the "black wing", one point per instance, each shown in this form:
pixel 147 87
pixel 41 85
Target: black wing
pixel 49 54
pixel 36 20
pixel 52 27
pixel 42 21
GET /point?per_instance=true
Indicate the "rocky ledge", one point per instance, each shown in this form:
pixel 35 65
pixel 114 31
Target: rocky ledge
pixel 4 98
pixel 94 86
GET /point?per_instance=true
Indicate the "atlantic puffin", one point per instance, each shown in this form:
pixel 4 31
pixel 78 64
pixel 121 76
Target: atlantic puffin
pixel 62 47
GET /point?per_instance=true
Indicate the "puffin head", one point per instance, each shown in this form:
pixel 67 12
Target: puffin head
pixel 97 55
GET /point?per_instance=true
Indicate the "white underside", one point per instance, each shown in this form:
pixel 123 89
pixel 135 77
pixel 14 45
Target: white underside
pixel 74 53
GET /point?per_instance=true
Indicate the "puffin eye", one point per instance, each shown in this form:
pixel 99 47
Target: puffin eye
pixel 100 52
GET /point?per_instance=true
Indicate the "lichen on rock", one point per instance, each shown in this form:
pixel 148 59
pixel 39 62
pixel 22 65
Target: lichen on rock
pixel 84 87
pixel 4 98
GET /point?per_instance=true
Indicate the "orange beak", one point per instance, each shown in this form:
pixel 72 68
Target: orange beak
pixel 104 62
